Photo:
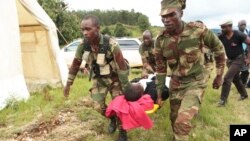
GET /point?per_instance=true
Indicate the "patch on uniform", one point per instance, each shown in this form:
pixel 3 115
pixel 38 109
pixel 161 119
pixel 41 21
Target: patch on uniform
pixel 86 55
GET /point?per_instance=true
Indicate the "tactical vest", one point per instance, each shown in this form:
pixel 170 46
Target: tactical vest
pixel 103 50
pixel 150 57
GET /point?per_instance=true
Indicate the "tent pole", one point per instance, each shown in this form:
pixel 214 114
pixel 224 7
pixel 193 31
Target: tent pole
pixel 62 36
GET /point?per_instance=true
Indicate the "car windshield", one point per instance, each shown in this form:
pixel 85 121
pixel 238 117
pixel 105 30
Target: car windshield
pixel 128 44
pixel 72 47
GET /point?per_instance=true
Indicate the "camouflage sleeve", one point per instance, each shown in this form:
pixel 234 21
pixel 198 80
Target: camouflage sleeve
pixel 75 64
pixel 161 66
pixel 143 57
pixel 79 51
pixel 216 46
pixel 140 50
pixel 122 69
pixel 117 55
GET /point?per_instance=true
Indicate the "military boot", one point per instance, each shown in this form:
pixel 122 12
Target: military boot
pixel 122 135
pixel 112 125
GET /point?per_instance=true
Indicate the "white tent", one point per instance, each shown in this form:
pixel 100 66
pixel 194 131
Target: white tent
pixel 30 55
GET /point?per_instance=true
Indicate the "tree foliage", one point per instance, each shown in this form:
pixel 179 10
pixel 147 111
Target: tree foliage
pixel 68 22
pixel 143 22
pixel 107 31
pixel 120 31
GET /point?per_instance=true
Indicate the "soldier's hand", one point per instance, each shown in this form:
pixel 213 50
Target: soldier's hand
pixel 159 102
pixel 66 90
pixel 85 71
pixel 217 82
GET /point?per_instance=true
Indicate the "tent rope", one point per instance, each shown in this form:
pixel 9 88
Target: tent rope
pixel 62 36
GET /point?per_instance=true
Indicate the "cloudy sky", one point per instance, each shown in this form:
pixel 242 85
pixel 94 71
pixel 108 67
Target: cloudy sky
pixel 211 12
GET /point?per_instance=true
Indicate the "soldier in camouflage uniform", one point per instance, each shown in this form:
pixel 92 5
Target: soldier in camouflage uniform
pixel 105 60
pixel 146 50
pixel 179 46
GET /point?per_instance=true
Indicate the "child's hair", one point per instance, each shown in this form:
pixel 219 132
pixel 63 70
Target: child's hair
pixel 133 92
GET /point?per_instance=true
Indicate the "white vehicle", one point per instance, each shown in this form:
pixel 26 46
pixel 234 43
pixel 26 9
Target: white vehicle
pixel 69 53
pixel 129 48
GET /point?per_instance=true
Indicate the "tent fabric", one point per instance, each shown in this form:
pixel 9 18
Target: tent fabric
pixel 12 83
pixel 30 54
pixel 41 16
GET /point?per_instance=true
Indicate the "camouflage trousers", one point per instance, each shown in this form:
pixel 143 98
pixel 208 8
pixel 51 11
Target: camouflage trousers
pixel 99 90
pixel 208 69
pixel 184 105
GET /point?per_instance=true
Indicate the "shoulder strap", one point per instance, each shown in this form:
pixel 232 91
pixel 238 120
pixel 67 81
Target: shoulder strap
pixel 86 45
pixel 105 46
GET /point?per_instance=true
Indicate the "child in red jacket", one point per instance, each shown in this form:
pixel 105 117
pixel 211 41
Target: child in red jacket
pixel 130 109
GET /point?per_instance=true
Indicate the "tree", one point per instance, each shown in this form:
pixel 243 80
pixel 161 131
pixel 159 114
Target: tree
pixel 143 22
pixel 120 31
pixel 106 30
pixel 67 22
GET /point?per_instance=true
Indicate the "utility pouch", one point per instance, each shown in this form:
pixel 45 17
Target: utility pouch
pixel 105 70
pixel 100 59
pixel 85 55
pixel 146 53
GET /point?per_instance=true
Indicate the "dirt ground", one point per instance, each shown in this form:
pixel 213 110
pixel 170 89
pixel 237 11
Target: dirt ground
pixel 81 123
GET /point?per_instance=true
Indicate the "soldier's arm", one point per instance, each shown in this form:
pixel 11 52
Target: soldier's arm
pixel 73 69
pixel 216 46
pixel 122 69
pixel 143 57
pixel 146 66
pixel 161 68
pixel 75 65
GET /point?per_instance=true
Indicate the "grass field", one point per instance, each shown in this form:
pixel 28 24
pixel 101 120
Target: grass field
pixel 47 115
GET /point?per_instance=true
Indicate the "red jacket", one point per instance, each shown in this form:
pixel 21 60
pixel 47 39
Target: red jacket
pixel 131 114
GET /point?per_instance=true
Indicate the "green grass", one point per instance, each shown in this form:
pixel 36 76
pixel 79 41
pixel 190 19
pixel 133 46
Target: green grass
pixel 211 124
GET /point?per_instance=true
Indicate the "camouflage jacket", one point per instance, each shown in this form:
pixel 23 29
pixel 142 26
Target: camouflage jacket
pixel 147 54
pixel 183 54
pixel 114 54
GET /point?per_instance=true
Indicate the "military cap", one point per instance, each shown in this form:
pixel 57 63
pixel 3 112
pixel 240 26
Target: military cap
pixel 226 22
pixel 168 6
